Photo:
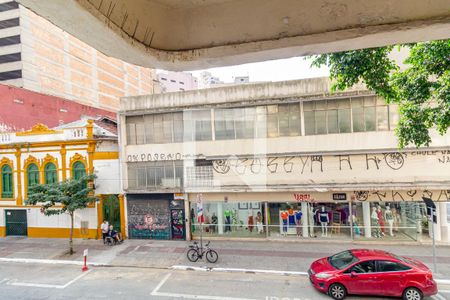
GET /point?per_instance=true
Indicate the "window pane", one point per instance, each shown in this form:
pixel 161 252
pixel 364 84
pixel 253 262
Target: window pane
pixel 132 182
pixel 321 122
pixel 393 116
pixel 358 119
pixel 261 122
pixel 141 177
pixel 283 119
pixel 331 104
pixel 369 101
pixel 33 174
pixel 167 128
pixel 159 174
pixel 357 102
pixel 158 129
pixel 7 187
pixel 309 123
pixel 178 127
pixel 382 118
pixel 272 125
pixel 321 105
pixel 151 176
pixel 333 121
pixel 50 173
pixel 188 124
pixel 343 103
pixel 148 121
pixel 131 134
pixel 369 116
pixel 202 119
pixel 344 120
pixel 169 171
pixel 308 106
pixel 140 134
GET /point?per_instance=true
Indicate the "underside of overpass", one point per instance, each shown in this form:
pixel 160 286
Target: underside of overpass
pixel 194 34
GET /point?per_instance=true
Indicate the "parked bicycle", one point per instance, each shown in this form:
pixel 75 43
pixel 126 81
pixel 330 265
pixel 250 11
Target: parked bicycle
pixel 195 252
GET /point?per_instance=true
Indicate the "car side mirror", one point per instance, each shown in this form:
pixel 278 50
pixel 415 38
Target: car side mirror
pixel 353 274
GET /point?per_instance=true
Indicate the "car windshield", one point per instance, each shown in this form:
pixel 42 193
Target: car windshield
pixel 342 260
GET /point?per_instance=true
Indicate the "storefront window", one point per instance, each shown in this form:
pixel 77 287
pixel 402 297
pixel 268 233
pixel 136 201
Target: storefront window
pixel 237 219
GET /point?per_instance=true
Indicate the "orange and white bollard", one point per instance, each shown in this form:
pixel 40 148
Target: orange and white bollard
pixel 85 267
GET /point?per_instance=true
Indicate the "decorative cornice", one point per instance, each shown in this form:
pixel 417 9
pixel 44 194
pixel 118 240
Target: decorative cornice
pixel 6 161
pixel 38 129
pixel 78 157
pixel 31 160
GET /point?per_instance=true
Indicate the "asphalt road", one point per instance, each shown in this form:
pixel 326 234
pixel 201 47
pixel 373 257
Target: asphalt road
pixel 47 281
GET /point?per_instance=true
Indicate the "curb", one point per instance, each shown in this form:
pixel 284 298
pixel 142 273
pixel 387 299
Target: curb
pixel 49 261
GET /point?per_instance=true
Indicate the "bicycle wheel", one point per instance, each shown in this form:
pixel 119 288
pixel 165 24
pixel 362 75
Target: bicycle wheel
pixel 212 256
pixel 192 255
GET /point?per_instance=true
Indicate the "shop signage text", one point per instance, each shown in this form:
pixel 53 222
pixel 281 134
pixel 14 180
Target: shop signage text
pixel 303 197
pixel 339 196
pixel 143 157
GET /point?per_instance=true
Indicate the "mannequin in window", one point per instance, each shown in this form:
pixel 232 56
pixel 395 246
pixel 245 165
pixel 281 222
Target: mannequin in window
pixel 250 222
pixel 376 232
pixel 324 220
pixel 298 222
pixel 397 219
pixel 380 219
pixel 284 218
pixel 227 215
pixel 389 217
pixel 214 223
pixel 311 216
pixel 259 224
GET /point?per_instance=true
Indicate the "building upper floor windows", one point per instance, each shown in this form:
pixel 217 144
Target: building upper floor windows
pixel 32 174
pixel 158 174
pixel 50 173
pixel 78 170
pixel 264 121
pixel 6 181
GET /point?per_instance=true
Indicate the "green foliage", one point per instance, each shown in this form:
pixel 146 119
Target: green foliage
pixel 422 90
pixel 62 197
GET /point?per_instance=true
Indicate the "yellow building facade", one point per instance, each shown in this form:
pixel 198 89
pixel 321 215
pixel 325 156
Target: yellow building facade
pixel 43 155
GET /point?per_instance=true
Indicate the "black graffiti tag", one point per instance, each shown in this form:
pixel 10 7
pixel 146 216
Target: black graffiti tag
pixel 361 195
pixel 221 166
pixel 394 160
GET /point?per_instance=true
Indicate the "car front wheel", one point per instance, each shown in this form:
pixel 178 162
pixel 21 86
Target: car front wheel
pixel 412 293
pixel 337 291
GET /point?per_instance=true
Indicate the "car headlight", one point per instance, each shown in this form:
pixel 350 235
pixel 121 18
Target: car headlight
pixel 323 275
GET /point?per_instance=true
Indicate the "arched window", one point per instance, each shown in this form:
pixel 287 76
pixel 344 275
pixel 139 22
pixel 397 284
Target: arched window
pixel 32 174
pixel 78 170
pixel 7 184
pixel 50 173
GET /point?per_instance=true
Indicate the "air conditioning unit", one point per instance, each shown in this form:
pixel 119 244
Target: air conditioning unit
pixel 171 182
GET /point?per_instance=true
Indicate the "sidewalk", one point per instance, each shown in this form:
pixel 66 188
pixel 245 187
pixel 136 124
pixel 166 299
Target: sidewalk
pixel 251 255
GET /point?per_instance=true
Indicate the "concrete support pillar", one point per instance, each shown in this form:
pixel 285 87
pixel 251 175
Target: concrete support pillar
pixel 19 176
pixel 366 219
pixel 187 218
pixel 220 219
pixel 305 219
pixel 63 152
pixel 122 216
pixel 443 217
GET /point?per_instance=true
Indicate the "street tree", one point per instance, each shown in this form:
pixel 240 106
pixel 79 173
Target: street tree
pixel 63 198
pixel 421 88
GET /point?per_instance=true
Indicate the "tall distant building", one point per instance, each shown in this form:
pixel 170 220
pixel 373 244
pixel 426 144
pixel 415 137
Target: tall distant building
pixel 38 56
pixel 177 81
pixel 207 80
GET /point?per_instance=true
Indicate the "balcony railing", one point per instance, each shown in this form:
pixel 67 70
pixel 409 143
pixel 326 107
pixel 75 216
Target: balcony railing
pixel 200 177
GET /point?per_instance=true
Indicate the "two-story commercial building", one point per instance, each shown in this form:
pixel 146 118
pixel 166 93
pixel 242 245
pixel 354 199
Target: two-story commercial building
pixel 277 160
pixel 43 155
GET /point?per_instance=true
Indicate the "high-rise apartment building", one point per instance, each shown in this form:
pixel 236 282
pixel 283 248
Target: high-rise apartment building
pixel 36 55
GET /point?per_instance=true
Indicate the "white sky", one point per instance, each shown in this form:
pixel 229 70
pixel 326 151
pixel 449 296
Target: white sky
pixel 273 70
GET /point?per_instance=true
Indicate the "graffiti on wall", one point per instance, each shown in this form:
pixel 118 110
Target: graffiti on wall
pixel 410 195
pixel 319 164
pixel 149 219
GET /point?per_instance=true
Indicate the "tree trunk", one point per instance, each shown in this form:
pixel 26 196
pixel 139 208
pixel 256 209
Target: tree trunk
pixel 71 234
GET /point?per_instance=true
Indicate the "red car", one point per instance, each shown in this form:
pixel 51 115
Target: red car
pixel 372 272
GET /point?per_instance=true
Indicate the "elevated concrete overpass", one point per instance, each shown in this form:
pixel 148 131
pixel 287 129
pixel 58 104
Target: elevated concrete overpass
pixel 193 34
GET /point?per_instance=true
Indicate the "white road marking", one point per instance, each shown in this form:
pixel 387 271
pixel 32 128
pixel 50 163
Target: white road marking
pixel 440 297
pixel 444 291
pixel 237 270
pixel 49 286
pixel 156 292
pixel 3 280
pixel 161 283
pixel 442 281
pixel 47 261
pixel 188 296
